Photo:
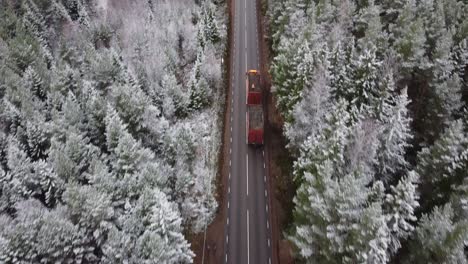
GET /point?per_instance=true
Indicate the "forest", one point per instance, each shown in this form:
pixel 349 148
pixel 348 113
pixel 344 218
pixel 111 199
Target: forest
pixel 110 123
pixel 374 98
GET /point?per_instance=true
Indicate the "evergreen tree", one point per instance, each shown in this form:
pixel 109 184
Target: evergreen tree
pixel 364 76
pixel 401 204
pixel 198 87
pixel 150 233
pixel 443 166
pixel 408 37
pixel 334 221
pixel 395 136
pixel 369 23
pixel 311 110
pixel 287 82
pixel 210 24
pixel 439 238
pixel 71 157
pixel 38 235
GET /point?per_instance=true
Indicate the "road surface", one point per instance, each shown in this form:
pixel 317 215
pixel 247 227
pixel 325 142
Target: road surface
pixel 248 230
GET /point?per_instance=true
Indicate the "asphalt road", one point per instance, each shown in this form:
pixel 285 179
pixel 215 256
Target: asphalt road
pixel 248 230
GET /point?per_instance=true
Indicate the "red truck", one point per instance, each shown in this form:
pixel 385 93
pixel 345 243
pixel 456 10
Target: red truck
pixel 254 100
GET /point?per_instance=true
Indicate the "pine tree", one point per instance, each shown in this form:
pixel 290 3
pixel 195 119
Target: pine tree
pixel 401 204
pixel 311 110
pixel 115 128
pixel 364 76
pixel 131 103
pixel 177 101
pixel 150 232
pixel 340 69
pixel 439 238
pixel 369 23
pixel 38 235
pixel 198 87
pixel 38 139
pixel 395 136
pixel 443 165
pixel 210 24
pixel 49 185
pixel 20 176
pixel 35 83
pixel 408 37
pixel 91 211
pixel 287 82
pixel 71 157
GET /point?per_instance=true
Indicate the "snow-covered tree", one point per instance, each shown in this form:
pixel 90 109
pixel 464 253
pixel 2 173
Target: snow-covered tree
pixel 37 235
pixel 443 165
pixel 369 23
pixel 315 103
pixel 439 238
pixel 401 204
pixel 287 82
pixel 395 136
pixel 409 37
pixel 364 79
pixel 150 232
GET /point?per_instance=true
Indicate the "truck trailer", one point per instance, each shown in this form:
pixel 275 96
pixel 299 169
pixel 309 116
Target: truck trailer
pixel 255 121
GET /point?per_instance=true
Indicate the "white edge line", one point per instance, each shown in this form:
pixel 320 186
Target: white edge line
pixel 248 238
pixel 247 160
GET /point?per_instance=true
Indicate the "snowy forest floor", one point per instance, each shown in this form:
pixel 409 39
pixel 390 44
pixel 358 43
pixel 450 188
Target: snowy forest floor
pixel 213 243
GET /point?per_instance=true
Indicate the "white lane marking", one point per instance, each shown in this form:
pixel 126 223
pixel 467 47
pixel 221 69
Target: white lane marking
pixel 247 127
pixel 230 150
pixel 269 260
pixel 264 165
pixel 268 224
pixel 245 17
pixel 229 190
pixel 246 55
pixel 268 242
pixel 226 257
pixel 265 193
pixel 248 238
pixel 264 178
pixel 263 152
pixel 231 139
pixel 228 204
pixel 227 239
pixel 247 160
pixel 229 175
pixel 230 162
pixel 266 207
pixel 227 221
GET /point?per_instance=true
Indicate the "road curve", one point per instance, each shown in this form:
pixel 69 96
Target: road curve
pixel 247 230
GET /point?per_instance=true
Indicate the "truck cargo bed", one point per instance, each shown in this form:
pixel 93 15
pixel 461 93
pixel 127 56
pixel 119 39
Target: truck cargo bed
pixel 255 116
pixel 255 124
